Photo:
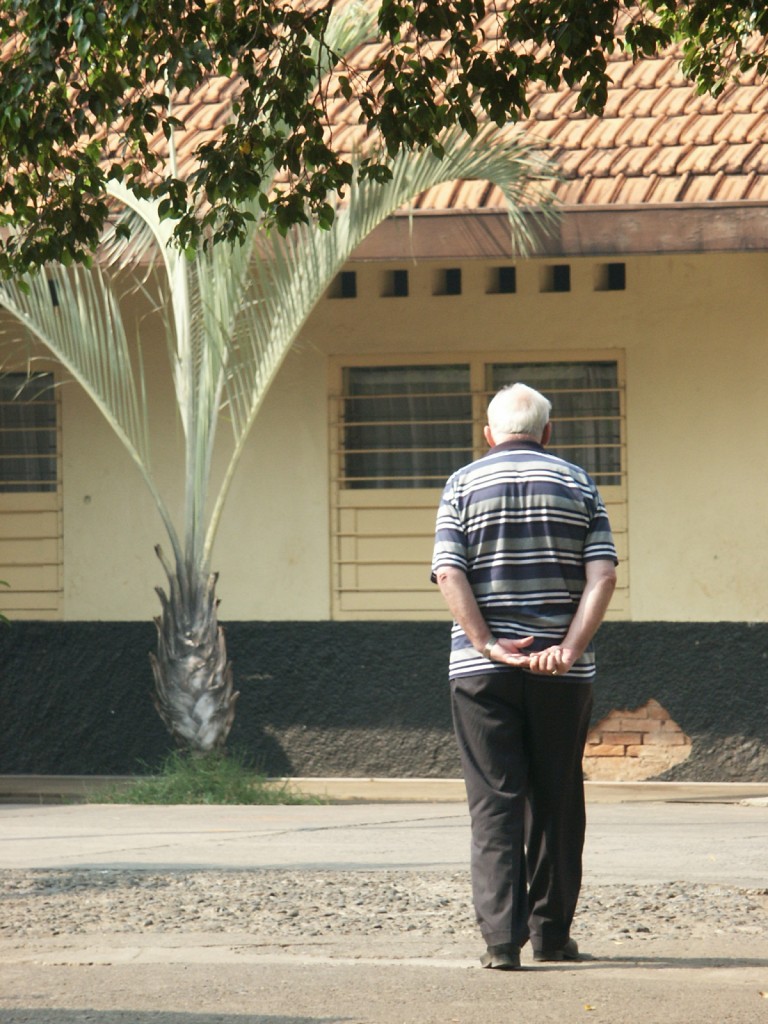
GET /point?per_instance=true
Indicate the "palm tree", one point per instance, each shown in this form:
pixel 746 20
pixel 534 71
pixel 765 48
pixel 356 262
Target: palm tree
pixel 232 314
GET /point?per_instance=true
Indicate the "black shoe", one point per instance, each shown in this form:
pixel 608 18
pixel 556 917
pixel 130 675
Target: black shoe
pixel 570 951
pixel 502 958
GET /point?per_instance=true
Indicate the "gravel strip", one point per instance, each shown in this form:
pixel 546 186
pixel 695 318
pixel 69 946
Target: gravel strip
pixel 292 905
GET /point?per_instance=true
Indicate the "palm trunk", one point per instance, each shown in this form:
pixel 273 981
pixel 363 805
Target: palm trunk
pixel 193 679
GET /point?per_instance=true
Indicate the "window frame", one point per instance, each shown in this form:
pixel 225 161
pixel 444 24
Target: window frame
pixel 31 538
pixel 47 482
pixel 386 470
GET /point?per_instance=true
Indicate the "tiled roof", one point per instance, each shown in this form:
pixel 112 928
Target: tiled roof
pixel 658 142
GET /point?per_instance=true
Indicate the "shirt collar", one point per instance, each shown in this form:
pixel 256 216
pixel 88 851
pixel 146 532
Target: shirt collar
pixel 514 446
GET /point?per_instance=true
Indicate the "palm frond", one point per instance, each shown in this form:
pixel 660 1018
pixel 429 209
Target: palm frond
pixel 292 272
pixel 196 351
pixel 75 313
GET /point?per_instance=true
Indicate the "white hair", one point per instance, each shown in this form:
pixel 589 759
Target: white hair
pixel 518 409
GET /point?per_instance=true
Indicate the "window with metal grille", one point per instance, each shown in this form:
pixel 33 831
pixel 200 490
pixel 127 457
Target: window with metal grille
pixel 28 439
pixel 411 426
pixel 405 426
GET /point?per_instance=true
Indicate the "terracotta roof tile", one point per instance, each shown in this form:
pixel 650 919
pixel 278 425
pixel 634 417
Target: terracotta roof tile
pixel 701 130
pixel 640 102
pixel 759 97
pixel 547 130
pixel 634 191
pixel 741 127
pixel 586 191
pixel 668 146
pixel 573 132
pixel 737 99
pixel 756 188
pixel 577 164
pixel 668 131
pixel 646 74
pixel 613 103
pixel 699 159
pixel 635 161
pixel 700 188
pixel 636 131
pixel 658 142
pixel 552 104
pixel 731 189
pixel 349 137
pixel 671 102
pixel 603 133
pixel 473 194
pixel 665 160
pixel 440 197
pixel 618 69
pixel 750 157
pixel 668 189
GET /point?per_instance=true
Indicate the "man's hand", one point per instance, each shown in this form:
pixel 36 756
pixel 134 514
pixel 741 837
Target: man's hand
pixel 552 661
pixel 507 651
pixel 462 603
pixel 559 658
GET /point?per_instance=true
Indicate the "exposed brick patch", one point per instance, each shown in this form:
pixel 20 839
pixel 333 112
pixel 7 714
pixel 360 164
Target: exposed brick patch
pixel 634 745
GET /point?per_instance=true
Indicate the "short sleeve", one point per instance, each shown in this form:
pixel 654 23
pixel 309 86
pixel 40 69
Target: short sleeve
pixel 599 543
pixel 450 537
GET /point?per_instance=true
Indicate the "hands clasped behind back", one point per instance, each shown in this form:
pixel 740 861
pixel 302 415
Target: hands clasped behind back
pixel 552 661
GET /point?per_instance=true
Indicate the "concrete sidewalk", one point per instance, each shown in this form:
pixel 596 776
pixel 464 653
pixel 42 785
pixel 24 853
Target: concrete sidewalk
pixel 710 835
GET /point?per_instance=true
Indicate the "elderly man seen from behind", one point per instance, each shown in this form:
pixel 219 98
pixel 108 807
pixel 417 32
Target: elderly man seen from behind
pixel 525 560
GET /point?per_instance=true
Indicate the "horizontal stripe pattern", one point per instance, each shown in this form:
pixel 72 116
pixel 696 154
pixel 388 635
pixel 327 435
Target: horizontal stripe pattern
pixel 521 523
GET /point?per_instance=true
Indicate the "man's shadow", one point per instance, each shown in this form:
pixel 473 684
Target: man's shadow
pixel 663 962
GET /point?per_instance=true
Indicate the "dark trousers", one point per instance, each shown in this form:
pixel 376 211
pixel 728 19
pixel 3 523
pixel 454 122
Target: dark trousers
pixel 521 739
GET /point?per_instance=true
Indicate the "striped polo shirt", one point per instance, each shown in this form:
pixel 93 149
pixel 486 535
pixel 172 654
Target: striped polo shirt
pixel 521 523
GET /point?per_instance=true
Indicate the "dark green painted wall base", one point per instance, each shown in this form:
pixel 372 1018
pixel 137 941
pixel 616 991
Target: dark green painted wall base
pixel 357 699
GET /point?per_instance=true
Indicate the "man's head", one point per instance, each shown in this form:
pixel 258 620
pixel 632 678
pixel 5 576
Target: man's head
pixel 518 411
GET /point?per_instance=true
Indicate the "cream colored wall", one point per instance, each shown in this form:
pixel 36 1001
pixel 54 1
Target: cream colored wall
pixel 110 522
pixel 272 551
pixel 698 427
pixel 691 327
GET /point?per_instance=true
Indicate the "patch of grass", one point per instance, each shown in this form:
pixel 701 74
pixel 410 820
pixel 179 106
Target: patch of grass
pixel 212 779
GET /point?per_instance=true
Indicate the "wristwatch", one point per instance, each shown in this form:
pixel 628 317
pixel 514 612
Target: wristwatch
pixel 486 651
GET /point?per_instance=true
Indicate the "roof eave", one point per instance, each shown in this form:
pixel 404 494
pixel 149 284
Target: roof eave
pixel 580 231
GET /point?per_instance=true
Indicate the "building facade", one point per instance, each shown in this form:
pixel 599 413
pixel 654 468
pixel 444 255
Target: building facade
pixel 641 317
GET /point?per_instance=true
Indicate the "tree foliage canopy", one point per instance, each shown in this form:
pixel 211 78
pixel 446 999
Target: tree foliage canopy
pixel 86 85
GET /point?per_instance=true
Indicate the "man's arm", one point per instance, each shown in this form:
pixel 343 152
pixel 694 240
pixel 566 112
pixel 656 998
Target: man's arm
pixel 601 582
pixel 464 608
